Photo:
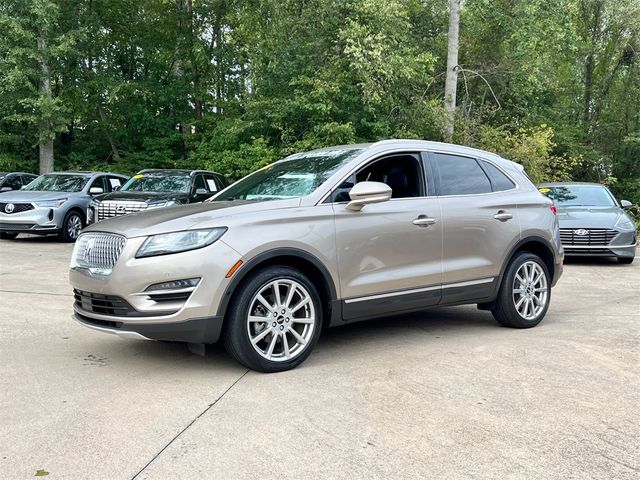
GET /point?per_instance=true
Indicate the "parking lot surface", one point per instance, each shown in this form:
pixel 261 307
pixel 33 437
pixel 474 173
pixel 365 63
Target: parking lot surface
pixel 444 394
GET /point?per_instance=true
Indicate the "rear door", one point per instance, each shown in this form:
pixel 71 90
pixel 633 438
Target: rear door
pixel 480 224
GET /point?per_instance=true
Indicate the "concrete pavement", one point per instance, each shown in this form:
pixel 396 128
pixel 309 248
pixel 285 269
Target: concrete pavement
pixel 443 394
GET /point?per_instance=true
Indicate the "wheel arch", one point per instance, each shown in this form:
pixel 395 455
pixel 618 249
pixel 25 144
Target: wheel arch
pixel 295 258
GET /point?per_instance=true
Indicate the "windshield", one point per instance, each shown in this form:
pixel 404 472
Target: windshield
pixel 297 176
pixel 155 182
pixel 58 183
pixel 579 195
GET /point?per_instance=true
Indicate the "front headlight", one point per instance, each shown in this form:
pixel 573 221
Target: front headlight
pixel 624 224
pixel 176 242
pixel 163 203
pixel 51 203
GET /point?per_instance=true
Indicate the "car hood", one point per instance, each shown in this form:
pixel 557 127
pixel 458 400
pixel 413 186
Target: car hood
pixel 185 217
pixel 589 217
pixel 143 196
pixel 33 196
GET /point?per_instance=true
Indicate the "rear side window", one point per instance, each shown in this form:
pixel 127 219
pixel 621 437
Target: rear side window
pixel 499 181
pixel 14 182
pixel 460 175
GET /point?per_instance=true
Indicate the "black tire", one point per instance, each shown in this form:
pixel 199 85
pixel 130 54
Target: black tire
pixel 67 234
pixel 505 311
pixel 8 235
pixel 236 337
pixel 625 260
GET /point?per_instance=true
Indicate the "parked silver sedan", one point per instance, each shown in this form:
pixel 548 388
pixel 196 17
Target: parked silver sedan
pixel 54 203
pixel 592 222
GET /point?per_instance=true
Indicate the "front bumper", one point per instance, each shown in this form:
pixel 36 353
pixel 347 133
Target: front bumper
pixel 194 330
pixel 120 302
pixel 38 220
pixel 623 245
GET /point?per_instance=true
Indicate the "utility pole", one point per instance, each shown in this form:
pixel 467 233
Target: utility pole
pixel 451 81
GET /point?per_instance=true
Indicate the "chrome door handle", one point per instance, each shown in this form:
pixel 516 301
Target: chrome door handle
pixel 424 221
pixel 503 216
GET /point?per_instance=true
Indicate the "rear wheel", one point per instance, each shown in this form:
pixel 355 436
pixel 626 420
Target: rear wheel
pixel 8 235
pixel 71 227
pixel 274 321
pixel 525 293
pixel 625 260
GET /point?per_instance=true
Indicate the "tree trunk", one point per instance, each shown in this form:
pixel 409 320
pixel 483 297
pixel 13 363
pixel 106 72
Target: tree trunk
pixel 451 81
pixel 45 127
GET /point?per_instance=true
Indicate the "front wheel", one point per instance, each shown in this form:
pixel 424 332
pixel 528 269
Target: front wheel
pixel 525 293
pixel 274 320
pixel 71 227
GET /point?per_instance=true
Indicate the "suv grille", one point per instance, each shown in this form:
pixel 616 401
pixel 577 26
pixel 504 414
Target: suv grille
pixel 597 237
pixel 114 208
pixel 17 207
pixel 97 252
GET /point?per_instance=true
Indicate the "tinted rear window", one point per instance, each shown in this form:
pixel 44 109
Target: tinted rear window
pixel 499 180
pixel 460 175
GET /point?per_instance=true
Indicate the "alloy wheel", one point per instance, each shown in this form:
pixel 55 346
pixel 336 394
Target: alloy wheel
pixel 281 320
pixel 74 226
pixel 530 290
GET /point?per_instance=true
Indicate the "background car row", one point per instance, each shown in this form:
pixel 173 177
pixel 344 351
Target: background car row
pixel 63 203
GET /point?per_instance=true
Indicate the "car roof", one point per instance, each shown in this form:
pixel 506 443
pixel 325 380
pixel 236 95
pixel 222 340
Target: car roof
pixel 18 173
pixel 177 171
pixel 563 184
pixel 420 145
pixel 85 173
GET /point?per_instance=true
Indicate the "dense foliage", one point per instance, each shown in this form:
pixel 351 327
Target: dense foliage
pixel 232 85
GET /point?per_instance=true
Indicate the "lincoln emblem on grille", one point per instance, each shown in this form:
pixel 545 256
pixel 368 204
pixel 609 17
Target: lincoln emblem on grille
pixel 9 208
pixel 581 232
pixel 120 209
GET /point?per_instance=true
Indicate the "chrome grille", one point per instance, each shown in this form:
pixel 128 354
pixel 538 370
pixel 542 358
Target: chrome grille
pixel 97 252
pixel 17 207
pixel 114 208
pixel 594 236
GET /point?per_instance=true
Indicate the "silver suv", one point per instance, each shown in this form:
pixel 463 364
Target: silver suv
pixel 321 239
pixel 53 203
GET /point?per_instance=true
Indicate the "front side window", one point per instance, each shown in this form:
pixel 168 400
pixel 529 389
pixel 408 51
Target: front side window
pixel 401 172
pixel 295 177
pixel 99 183
pixel 579 195
pixel 58 183
pixel 153 182
pixel 460 175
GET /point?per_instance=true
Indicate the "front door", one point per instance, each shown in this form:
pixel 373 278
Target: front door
pixel 389 254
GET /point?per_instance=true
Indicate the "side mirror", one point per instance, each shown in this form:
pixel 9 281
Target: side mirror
pixel 364 193
pixel 116 188
pixel 625 203
pixel 201 191
pixel 95 191
pixel 6 189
